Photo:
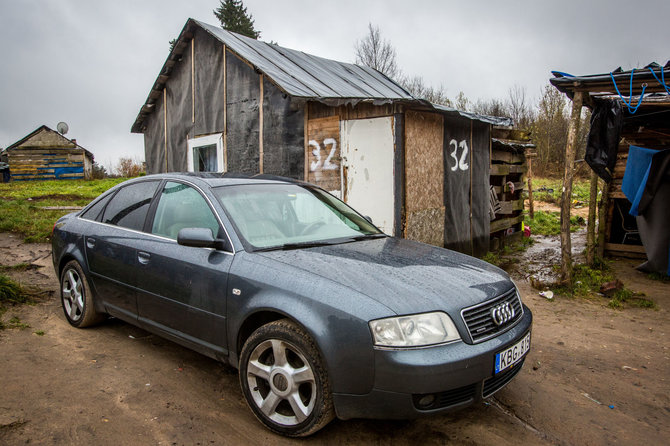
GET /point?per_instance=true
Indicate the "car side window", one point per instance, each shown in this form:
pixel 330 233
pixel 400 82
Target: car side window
pixel 94 212
pixel 181 206
pixel 130 205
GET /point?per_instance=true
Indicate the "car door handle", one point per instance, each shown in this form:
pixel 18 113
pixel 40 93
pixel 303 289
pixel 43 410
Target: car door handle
pixel 90 242
pixel 143 257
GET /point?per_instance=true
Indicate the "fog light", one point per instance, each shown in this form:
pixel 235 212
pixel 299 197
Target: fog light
pixel 426 401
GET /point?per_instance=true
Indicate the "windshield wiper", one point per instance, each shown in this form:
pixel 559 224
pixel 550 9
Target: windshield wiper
pixel 368 236
pixel 301 245
pixel 315 244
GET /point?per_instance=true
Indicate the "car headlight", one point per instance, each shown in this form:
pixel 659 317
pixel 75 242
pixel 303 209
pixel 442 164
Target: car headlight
pixel 416 330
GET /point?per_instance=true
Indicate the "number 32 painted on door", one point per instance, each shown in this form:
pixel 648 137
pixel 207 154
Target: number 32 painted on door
pixel 459 163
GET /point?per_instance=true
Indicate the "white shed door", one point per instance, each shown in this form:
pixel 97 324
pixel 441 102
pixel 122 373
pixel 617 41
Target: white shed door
pixel 367 163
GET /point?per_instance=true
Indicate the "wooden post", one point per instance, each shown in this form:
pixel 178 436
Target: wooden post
pixel 225 113
pixel 591 224
pixel 602 219
pixel 529 160
pixel 566 197
pixel 260 128
pixel 165 144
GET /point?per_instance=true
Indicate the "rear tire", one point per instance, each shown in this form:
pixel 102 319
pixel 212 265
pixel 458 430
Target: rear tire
pixel 76 297
pixel 284 380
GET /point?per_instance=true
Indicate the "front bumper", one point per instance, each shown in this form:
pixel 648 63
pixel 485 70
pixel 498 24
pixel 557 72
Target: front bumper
pixel 457 375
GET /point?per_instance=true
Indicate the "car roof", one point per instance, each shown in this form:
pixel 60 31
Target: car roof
pixel 214 179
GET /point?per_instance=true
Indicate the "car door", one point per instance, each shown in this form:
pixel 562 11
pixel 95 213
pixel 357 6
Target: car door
pixel 110 247
pixel 182 290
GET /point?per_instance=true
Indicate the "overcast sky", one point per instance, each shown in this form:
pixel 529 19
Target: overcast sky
pixel 92 63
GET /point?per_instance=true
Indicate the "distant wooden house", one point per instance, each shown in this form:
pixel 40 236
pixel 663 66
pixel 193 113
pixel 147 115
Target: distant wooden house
pixel 225 102
pixel 47 155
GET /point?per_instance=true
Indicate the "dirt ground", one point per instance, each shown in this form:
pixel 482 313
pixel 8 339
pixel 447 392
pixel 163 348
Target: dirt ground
pixel 594 376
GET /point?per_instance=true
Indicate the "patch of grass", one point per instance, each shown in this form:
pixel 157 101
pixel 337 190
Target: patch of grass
pixel 504 258
pixel 11 293
pixel 626 296
pixel 17 267
pixel 587 282
pixel 658 276
pixel 40 332
pixel 550 190
pixel 549 223
pixel 22 202
pixel 15 322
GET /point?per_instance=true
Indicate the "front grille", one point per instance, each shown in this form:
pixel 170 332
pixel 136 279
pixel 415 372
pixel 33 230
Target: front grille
pixel 492 385
pixel 449 398
pixel 479 321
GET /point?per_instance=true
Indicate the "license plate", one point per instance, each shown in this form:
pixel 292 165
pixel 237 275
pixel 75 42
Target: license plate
pixel 510 356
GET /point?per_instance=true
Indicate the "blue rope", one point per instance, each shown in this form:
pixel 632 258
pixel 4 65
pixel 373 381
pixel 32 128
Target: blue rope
pixel 662 80
pixel 629 102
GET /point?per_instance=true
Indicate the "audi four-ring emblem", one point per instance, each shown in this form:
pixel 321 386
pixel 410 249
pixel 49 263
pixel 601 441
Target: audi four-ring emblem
pixel 502 313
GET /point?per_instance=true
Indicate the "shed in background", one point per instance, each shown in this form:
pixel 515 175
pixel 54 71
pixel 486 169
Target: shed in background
pixel 45 154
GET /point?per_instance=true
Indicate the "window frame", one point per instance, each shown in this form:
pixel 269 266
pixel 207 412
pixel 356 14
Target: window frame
pixel 148 224
pixel 207 140
pixel 147 216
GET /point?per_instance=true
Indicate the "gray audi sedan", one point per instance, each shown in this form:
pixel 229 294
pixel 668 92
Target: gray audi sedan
pixel 322 313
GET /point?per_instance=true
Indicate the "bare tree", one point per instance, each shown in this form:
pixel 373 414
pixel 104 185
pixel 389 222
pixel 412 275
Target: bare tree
pixel 418 88
pixel 462 102
pixel 550 130
pixel 518 108
pixel 375 52
pixel 490 107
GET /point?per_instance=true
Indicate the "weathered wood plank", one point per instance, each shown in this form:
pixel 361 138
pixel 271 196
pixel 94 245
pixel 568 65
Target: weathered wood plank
pixel 499 225
pixel 506 169
pixel 508 207
pixel 507 157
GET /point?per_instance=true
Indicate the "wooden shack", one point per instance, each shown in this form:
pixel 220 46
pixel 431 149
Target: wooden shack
pixel 225 102
pixel 645 102
pixel 45 154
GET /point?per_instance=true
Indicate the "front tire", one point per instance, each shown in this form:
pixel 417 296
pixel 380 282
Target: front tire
pixel 76 297
pixel 284 380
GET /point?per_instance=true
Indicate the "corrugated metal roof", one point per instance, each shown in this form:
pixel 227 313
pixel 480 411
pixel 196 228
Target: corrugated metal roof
pixel 495 120
pixel 650 77
pixel 302 75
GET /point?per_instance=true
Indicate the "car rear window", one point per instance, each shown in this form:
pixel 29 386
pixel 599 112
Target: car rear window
pixel 130 205
pixel 94 212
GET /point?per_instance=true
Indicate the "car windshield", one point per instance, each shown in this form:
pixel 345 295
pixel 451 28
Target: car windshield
pixel 285 216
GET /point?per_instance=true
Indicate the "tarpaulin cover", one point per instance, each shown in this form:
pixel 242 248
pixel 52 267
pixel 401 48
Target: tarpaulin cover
pixel 180 114
pixel 243 102
pixel 653 227
pixel 466 186
pixel 603 140
pixel 283 133
pixel 154 139
pixel 636 175
pixel 209 85
pixel 646 184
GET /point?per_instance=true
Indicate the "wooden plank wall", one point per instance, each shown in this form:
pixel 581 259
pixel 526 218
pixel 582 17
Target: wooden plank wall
pixel 424 180
pixel 507 167
pixel 46 164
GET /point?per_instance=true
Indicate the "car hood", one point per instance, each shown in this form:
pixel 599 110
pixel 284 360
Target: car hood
pixel 405 276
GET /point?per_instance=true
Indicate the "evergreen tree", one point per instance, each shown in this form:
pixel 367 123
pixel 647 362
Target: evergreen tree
pixel 233 17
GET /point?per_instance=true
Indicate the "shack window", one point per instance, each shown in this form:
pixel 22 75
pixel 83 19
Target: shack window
pixel 205 154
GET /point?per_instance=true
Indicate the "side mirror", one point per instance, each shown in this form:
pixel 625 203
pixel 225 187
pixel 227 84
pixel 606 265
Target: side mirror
pixel 202 238
pixel 196 237
pixel 368 218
